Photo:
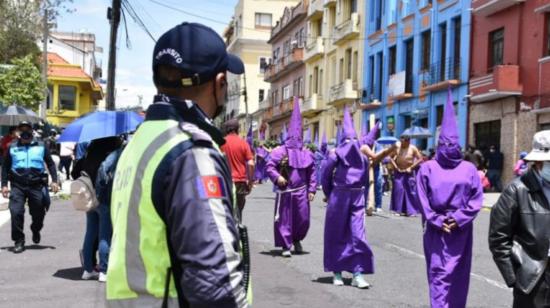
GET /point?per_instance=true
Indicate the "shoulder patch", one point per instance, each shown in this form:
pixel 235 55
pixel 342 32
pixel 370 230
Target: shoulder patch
pixel 210 187
pixel 196 133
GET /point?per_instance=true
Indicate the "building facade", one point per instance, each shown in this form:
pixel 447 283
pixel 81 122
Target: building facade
pixel 247 36
pixel 416 50
pixel 286 71
pixel 334 58
pixel 73 92
pixel 510 73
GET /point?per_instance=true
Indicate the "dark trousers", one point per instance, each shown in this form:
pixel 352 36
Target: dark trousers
pixel 538 298
pixel 65 162
pixel 242 191
pixel 494 178
pixel 19 195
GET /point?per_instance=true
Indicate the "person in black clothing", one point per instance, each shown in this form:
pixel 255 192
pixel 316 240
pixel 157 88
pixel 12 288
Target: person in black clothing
pixel 495 162
pixel 474 156
pixel 24 169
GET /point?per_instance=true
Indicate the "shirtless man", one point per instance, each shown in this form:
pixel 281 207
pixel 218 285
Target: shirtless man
pixel 404 162
pixel 374 158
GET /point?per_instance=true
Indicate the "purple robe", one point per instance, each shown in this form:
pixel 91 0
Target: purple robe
pixel 346 247
pixel 261 161
pixel 319 159
pixel 403 195
pixel 291 202
pixel 445 193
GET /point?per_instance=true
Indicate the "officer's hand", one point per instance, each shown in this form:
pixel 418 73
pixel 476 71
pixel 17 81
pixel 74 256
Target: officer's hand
pixel 55 188
pixel 311 196
pixel 281 181
pixel 5 192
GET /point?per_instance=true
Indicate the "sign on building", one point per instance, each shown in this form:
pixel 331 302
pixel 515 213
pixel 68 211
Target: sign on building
pixel 396 85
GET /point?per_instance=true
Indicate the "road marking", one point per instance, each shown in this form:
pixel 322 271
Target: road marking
pixel 476 276
pixel 4 217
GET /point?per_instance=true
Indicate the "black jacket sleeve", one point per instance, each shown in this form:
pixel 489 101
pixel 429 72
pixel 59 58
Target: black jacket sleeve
pixel 6 166
pixel 202 232
pixel 504 216
pixel 50 164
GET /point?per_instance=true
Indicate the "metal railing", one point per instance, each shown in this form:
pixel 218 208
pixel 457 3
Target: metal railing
pixel 449 69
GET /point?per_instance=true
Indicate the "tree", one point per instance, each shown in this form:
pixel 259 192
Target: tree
pixel 21 26
pixel 22 84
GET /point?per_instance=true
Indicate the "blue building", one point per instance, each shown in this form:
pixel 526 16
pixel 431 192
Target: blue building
pixel 415 50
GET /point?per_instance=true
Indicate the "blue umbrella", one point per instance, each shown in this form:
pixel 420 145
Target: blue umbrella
pixel 386 140
pixel 417 132
pixel 101 124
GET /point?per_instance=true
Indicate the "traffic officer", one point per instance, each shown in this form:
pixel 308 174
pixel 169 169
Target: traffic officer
pixel 175 240
pixel 24 169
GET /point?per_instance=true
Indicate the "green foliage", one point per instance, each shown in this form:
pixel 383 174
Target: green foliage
pixel 22 84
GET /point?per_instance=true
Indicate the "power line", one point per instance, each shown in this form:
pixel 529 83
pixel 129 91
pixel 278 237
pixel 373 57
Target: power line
pixel 137 19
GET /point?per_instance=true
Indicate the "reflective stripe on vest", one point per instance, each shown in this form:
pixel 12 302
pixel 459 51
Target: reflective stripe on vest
pixel 26 157
pixel 139 256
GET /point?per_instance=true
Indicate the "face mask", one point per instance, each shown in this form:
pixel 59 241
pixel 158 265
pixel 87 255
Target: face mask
pixel 26 135
pixel 545 171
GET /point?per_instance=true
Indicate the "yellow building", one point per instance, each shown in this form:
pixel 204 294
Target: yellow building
pixel 334 61
pixel 73 93
pixel 246 37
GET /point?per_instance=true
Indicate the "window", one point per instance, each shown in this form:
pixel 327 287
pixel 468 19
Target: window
pixel 286 92
pixel 487 134
pixel 392 9
pixel 263 20
pixel 406 7
pixel 261 94
pixel 310 85
pixel 263 64
pixel 301 85
pixel 547 53
pixel 350 7
pixel 348 63
pixel 443 51
pixel 316 80
pixel 320 86
pixel 379 77
pixel 409 51
pixel 426 50
pixel 456 60
pixel 378 16
pixel 299 38
pixel 67 97
pixel 393 60
pixel 496 45
pixel 332 19
pixel 49 99
pixel 371 77
pixel 341 71
pixel 355 66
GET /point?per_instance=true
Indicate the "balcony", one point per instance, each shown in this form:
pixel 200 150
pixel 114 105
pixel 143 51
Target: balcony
pixel 282 109
pixel 315 9
pixel 284 65
pixel 329 3
pixel 347 30
pixel 266 103
pixel 310 106
pixel 441 75
pixel 502 82
pixel 343 92
pixel 488 7
pixel 314 49
pixel 371 105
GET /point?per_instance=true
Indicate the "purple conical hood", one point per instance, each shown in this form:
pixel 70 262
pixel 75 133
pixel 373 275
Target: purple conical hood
pixel 294 138
pixel 449 154
pixel 370 138
pixel 449 129
pixel 348 131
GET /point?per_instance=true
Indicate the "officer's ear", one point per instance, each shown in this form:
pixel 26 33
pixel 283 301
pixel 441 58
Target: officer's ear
pixel 221 82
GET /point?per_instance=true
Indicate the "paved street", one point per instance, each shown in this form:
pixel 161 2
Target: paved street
pixel 47 275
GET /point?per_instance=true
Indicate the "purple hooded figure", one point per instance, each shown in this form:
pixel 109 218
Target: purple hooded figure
pixel 261 159
pixel 370 137
pixel 292 170
pixel 344 175
pixel 324 144
pixel 450 196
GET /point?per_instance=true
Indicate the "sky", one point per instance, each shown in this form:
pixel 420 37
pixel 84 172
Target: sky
pixel 134 72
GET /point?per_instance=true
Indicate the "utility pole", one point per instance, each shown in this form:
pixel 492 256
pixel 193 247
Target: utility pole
pixel 247 115
pixel 113 14
pixel 45 35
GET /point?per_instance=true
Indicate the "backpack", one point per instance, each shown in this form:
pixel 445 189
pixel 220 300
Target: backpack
pixel 83 194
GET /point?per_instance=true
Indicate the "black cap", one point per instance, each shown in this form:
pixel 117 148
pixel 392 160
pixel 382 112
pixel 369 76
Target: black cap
pixel 198 51
pixel 24 123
